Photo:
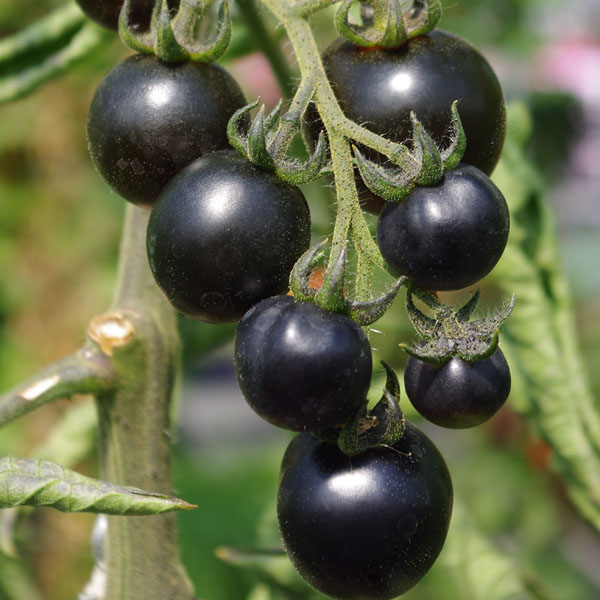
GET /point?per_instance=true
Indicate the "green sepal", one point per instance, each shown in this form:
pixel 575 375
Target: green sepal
pixel 427 165
pixel 450 333
pixel 391 24
pixel 300 274
pixel 272 119
pixel 140 41
pixel 391 184
pixel 426 154
pixel 464 313
pixel 330 295
pixel 166 47
pixel 185 26
pixel 386 31
pixel 300 172
pixel 423 17
pixel 234 134
pixel 366 313
pixel 452 155
pixel 175 39
pixel 29 482
pixel 268 140
pixel 383 425
pixel 258 153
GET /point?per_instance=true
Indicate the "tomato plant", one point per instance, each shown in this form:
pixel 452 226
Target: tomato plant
pixel 218 228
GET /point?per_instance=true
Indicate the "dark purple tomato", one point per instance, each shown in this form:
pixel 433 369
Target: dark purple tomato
pixel 301 367
pixel 106 12
pixel 367 526
pixel 378 88
pixel 458 394
pixel 446 236
pixel 225 235
pixel 149 119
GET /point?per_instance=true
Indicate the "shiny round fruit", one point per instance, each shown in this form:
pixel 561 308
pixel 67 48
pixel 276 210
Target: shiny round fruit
pixel 379 87
pixel 225 235
pixel 301 367
pixel 149 119
pixel 106 12
pixel 366 526
pixel 446 236
pixel 458 394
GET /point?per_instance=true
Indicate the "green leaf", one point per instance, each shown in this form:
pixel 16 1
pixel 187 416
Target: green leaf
pixel 29 482
pixel 475 569
pixel 40 39
pixel 540 338
pixel 85 42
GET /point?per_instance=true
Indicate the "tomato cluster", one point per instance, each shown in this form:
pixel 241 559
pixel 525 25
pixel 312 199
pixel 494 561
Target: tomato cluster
pixel 223 236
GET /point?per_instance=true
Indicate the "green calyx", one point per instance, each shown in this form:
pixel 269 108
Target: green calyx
pixel 429 163
pixel 177 39
pixel 383 425
pixel 387 23
pixel 330 296
pixel 450 333
pixel 267 140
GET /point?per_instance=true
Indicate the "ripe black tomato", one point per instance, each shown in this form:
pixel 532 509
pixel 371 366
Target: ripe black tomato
pixel 379 88
pixel 446 236
pixel 367 526
pixel 106 12
pixel 458 394
pixel 149 119
pixel 301 367
pixel 224 235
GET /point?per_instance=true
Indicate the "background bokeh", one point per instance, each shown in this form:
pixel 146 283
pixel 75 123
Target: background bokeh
pixel 59 232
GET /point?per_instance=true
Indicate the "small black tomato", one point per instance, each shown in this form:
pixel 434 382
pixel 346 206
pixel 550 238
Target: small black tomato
pixel 225 235
pixel 458 394
pixel 301 367
pixel 446 236
pixel 366 526
pixel 149 119
pixel 379 87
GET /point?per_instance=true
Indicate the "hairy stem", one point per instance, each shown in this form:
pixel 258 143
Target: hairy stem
pixel 142 556
pixel 339 130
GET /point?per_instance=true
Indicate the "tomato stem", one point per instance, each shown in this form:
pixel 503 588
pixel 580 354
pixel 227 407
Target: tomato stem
pixel 142 556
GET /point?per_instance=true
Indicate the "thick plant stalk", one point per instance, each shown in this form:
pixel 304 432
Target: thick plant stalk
pixel 142 555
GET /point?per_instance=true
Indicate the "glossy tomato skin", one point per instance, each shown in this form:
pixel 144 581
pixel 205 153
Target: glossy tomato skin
pixel 446 236
pixel 301 367
pixel 149 119
pixel 368 526
pixel 225 235
pixel 106 12
pixel 378 88
pixel 458 394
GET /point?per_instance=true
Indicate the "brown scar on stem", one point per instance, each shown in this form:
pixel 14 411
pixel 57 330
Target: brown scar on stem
pixel 110 331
